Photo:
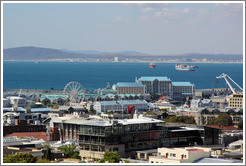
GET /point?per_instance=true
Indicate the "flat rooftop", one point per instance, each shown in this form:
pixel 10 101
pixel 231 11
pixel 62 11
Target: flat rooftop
pixel 104 122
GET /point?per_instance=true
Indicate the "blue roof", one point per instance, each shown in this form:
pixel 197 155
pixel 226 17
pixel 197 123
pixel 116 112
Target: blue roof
pixel 153 78
pixel 129 84
pixel 182 84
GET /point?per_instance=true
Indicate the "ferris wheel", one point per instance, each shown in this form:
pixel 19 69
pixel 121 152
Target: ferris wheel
pixel 73 89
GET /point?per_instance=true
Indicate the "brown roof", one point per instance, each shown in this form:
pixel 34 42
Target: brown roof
pixel 36 135
pixel 224 128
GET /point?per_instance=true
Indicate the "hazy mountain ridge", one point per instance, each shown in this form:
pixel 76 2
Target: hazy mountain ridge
pixel 32 53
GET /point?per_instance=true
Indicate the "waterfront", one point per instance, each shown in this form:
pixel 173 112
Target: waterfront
pixel 47 75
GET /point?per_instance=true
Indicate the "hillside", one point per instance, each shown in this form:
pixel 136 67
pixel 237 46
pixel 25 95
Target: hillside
pixel 32 53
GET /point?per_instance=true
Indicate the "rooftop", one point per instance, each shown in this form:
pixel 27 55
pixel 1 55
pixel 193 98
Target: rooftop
pixel 217 160
pixel 154 78
pixel 36 135
pixel 105 122
pixel 182 84
pixel 123 84
pixel 123 102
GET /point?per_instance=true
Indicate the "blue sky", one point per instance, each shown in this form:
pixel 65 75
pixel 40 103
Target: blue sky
pixel 144 27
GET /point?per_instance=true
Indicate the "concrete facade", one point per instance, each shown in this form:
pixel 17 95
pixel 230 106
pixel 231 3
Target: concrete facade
pixel 179 155
pixel 129 88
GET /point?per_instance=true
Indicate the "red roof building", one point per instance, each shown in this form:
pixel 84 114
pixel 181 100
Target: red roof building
pixel 36 135
pixel 224 128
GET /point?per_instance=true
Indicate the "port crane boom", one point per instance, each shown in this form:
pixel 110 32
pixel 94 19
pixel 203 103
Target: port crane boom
pixel 223 75
pixel 16 102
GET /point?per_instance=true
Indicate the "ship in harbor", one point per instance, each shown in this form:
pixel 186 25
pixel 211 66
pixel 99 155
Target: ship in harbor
pixel 151 65
pixel 185 67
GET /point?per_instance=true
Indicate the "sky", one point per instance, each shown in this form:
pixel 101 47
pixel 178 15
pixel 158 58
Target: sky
pixel 152 28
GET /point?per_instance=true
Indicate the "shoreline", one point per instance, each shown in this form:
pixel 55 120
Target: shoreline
pixel 117 62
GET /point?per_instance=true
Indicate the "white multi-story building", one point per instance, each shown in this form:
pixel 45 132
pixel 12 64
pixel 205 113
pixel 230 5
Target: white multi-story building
pixel 157 85
pixel 129 88
pixel 181 89
pixel 180 155
pixel 163 85
pixel 235 101
pixel 120 105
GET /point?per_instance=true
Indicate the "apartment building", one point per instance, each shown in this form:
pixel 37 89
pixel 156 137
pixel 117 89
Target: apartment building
pixel 129 88
pixel 235 100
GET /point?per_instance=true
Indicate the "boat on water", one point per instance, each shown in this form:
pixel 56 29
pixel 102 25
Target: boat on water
pixel 185 67
pixel 151 65
pixel 37 62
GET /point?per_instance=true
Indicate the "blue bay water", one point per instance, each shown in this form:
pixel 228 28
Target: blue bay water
pixel 47 75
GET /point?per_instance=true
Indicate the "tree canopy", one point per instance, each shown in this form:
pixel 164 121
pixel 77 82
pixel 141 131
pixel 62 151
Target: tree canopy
pixel 48 155
pixel 222 120
pixel 181 119
pixel 111 157
pixel 70 151
pixel 19 158
pixel 240 125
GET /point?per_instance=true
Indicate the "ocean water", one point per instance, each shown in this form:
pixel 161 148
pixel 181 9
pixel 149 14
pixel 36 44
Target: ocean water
pixel 91 75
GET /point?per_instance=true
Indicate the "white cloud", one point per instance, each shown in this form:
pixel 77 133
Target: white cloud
pixel 230 8
pixel 147 9
pixel 186 10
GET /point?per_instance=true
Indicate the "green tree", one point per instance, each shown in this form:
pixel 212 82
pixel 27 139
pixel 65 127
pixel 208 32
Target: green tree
pixel 43 161
pixel 212 121
pixel 70 151
pixel 126 161
pixel 240 125
pixel 111 157
pixel 224 120
pixel 189 120
pixel 48 155
pixel 181 119
pixel 150 113
pixel 19 158
pixel 172 119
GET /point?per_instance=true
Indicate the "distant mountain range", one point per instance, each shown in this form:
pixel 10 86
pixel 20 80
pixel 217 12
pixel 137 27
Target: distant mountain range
pixel 101 53
pixel 32 53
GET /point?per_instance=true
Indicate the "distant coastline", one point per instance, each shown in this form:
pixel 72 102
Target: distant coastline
pixel 110 61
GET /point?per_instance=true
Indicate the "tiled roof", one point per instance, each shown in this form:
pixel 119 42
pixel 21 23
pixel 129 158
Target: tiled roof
pixel 36 135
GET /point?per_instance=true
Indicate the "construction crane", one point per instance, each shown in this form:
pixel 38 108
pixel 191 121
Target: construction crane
pixel 28 106
pixel 223 75
pixel 16 102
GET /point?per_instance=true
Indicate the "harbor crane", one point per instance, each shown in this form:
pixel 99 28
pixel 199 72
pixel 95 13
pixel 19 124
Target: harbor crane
pixel 16 102
pixel 223 75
